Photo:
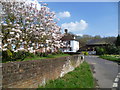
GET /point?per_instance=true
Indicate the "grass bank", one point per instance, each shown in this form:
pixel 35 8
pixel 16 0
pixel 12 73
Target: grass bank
pixel 111 57
pixel 47 57
pixel 39 58
pixel 81 77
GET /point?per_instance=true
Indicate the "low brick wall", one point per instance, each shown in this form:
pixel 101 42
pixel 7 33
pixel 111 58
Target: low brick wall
pixel 30 74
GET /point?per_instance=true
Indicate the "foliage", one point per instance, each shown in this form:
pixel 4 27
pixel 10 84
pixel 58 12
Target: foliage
pixel 14 56
pixel 54 53
pixel 81 77
pixel 60 52
pixel 118 41
pixel 28 26
pixel 111 57
pixel 30 56
pixel 85 52
pixel 100 50
pixel 41 54
pixel 7 55
pixel 111 49
pixel 83 40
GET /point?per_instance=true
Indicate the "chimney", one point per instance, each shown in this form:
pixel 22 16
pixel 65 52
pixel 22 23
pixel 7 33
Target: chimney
pixel 66 31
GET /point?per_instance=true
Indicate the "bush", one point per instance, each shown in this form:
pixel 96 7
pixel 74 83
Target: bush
pixel 44 54
pixel 100 51
pixel 41 54
pixel 7 55
pixel 13 56
pixel 38 53
pixel 54 53
pixel 111 49
pixel 30 54
pixel 20 55
pixel 60 52
pixel 85 53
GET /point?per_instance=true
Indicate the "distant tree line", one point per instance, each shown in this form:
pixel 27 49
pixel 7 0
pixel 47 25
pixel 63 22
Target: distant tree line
pixel 112 48
pixel 85 38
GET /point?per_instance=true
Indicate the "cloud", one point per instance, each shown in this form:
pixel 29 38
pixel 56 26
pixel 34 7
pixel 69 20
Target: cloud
pixel 79 34
pixel 75 26
pixel 63 14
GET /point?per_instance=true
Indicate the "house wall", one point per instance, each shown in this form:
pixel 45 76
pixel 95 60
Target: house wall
pixel 75 45
pixel 30 74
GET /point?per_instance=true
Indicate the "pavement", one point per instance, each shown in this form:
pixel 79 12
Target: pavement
pixel 105 72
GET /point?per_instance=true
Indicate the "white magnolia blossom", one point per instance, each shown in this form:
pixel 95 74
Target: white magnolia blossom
pixel 12 32
pixel 4 24
pixel 31 23
pixel 5 45
pixel 21 40
pixel 9 39
pixel 4 49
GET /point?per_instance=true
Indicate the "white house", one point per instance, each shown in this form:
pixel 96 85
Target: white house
pixel 69 43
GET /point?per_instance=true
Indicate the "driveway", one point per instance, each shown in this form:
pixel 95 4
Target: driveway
pixel 105 71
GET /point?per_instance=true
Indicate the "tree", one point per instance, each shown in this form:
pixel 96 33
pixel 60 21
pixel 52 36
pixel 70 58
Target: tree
pixel 26 27
pixel 118 41
pixel 97 37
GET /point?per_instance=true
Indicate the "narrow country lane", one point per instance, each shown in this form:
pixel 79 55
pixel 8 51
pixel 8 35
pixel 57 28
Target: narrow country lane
pixel 105 71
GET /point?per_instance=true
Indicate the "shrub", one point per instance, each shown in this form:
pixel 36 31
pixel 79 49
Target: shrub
pixel 13 56
pixel 41 54
pixel 44 54
pixel 38 53
pixel 100 51
pixel 54 53
pixel 30 54
pixel 7 55
pixel 60 52
pixel 20 55
pixel 85 53
pixel 111 49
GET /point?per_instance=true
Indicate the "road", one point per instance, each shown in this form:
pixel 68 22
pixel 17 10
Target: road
pixel 105 71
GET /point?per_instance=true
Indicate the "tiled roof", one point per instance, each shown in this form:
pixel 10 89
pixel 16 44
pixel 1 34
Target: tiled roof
pixel 68 37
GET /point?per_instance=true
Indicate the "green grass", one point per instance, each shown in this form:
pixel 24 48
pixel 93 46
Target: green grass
pixel 39 58
pixel 81 77
pixel 111 57
pixel 47 57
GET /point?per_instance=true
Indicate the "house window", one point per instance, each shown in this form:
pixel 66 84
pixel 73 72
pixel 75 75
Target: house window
pixel 68 42
pixel 70 49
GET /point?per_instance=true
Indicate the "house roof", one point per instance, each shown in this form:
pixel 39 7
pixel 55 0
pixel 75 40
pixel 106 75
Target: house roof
pixel 68 37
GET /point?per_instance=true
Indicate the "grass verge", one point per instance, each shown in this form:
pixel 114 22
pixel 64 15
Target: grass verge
pixel 81 77
pixel 39 58
pixel 47 57
pixel 111 57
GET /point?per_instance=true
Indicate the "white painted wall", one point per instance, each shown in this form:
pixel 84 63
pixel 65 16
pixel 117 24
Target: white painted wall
pixel 75 45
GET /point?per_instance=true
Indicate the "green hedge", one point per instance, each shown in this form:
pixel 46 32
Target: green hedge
pixel 111 49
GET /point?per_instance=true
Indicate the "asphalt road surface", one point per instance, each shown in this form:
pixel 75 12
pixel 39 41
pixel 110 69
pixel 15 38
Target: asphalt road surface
pixel 105 71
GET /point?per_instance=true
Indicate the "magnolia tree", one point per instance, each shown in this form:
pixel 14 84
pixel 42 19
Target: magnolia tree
pixel 28 26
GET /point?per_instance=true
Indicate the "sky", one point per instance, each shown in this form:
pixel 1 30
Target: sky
pixel 92 18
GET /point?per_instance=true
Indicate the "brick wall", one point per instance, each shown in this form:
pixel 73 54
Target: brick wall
pixel 30 74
